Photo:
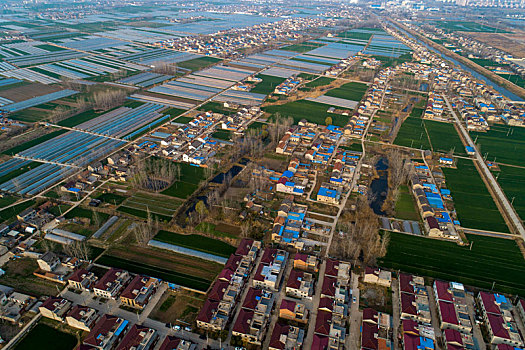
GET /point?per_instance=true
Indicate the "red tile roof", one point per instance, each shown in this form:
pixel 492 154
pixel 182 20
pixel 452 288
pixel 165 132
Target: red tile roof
pixel 52 303
pixel 407 305
pixel 326 304
pixel 207 310
pixel 242 324
pixel 170 343
pixel 496 322
pixel 294 281
pixel 370 315
pixel 328 287
pixel 252 298
pixel 233 262
pixel 410 326
pixel 443 292
pixel 226 275
pixel 268 256
pixel 331 267
pixel 133 338
pixel 301 257
pixel 489 302
pixel 405 283
pixel 288 305
pixel 106 324
pixel 278 330
pixel 448 312
pixel 369 336
pixel 245 246
pixel 322 323
pixel 78 275
pixel 109 277
pixel 320 342
pixel 217 291
pixel 453 336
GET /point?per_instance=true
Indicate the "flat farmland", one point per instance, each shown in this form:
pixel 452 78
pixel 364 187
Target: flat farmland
pixel 444 137
pixel 267 85
pixel 466 26
pixel 197 242
pixel 175 268
pixel 312 111
pixel 45 337
pixel 301 48
pixel 24 92
pixel 182 305
pixel 322 81
pixel 350 91
pixel 512 181
pixel 504 143
pixel 158 205
pixel 198 63
pixel 490 260
pixel 191 176
pixel 412 133
pixel 473 202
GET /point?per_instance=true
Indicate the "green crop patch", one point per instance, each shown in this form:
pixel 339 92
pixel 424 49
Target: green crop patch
pixel 502 143
pixel 45 337
pixel 197 242
pixel 473 202
pixel 267 85
pixel 155 271
pixel 351 91
pixel 491 260
pixel 311 111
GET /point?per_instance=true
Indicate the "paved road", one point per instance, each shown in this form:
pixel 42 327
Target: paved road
pixel 511 214
pixel 307 344
pixel 353 339
pixel 479 342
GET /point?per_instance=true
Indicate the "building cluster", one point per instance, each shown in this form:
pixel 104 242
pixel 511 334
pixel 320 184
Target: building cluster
pixel 14 305
pixel 219 308
pixel 429 197
pixel 228 42
pixel 415 313
pixel 454 315
pixel 108 331
pixel 289 223
pixel 288 86
pixel 194 142
pixel 499 321
pixel 333 312
pixel 435 107
pixel 376 330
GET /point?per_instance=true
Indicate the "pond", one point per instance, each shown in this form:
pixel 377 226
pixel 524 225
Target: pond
pixel 379 187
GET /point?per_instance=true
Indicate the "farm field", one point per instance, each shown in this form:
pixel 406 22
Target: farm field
pixel 301 48
pixel 197 242
pixel 143 266
pixel 444 137
pixel 12 212
pixel 319 82
pixel 215 107
pixel 267 85
pixel 512 181
pixel 351 91
pixel 181 305
pixel 159 206
pixel 490 260
pixel 465 26
pixel 412 134
pixel 473 202
pixel 405 207
pixel 312 111
pixel 34 142
pixel 218 230
pixel 504 143
pixel 198 63
pixel 45 337
pixel 191 176
pixel 222 135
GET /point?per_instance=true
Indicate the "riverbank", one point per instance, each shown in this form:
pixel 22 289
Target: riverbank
pixel 504 83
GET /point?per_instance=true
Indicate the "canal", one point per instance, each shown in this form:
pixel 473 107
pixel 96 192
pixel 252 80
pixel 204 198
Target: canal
pixel 511 96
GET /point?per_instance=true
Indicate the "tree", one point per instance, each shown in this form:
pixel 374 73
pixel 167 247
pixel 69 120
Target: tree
pixel 201 209
pixel 328 121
